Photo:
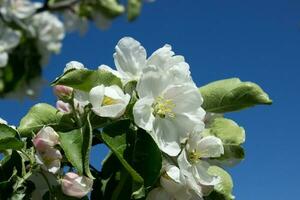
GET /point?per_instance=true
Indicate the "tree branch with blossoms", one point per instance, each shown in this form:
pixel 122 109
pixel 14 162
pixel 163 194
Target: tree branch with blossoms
pixel 30 32
pixel 168 139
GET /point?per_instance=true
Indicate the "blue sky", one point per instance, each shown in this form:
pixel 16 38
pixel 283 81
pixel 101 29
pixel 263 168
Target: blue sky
pixel 254 40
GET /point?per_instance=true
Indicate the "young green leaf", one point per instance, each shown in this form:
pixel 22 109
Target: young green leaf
pixel 9 138
pixel 133 9
pixel 85 80
pixel 232 95
pixel 41 115
pixel 227 130
pixel 223 190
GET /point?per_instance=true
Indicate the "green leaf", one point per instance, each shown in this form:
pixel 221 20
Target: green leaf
pixel 41 115
pixel 71 142
pixel 77 145
pixel 223 190
pixel 227 130
pixel 133 9
pixel 118 138
pixel 85 80
pixel 233 154
pixel 232 95
pixel 147 158
pixel 110 8
pixel 9 138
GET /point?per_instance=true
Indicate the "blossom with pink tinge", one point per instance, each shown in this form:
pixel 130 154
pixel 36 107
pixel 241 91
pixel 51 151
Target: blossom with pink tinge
pixel 75 185
pixel 45 138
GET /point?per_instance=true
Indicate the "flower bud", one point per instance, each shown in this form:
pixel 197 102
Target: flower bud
pixel 63 107
pixel 75 185
pixel 45 138
pixel 63 92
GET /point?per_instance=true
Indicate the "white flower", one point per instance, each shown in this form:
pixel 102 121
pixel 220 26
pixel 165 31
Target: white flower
pixel 49 30
pixel 8 40
pixel 169 112
pixel 45 138
pixel 175 185
pixel 108 101
pixel 74 22
pixel 192 158
pixel 73 65
pixel 75 185
pixel 130 58
pixel 49 159
pixel 18 9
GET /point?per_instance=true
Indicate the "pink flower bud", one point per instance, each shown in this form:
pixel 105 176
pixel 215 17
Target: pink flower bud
pixel 45 138
pixel 63 107
pixel 63 92
pixel 75 185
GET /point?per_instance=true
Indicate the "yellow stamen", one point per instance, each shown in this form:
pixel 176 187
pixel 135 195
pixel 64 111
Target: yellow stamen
pixel 163 108
pixel 108 101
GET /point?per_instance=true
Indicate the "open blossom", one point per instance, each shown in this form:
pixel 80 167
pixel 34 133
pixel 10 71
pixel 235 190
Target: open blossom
pixel 17 9
pixel 168 111
pixel 49 30
pixel 75 185
pixel 8 40
pixel 131 62
pixel 192 158
pixel 45 138
pixel 108 101
pixel 175 185
pixel 49 159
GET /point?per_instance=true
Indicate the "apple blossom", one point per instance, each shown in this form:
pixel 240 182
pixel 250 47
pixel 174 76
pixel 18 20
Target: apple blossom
pixel 192 158
pixel 63 106
pixel 49 30
pixel 9 39
pixel 108 101
pixel 49 158
pixel 45 138
pixel 63 92
pixel 75 185
pixel 167 111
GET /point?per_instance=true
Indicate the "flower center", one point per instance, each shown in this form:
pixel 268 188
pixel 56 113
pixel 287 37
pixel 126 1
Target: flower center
pixel 108 101
pixel 194 156
pixel 163 107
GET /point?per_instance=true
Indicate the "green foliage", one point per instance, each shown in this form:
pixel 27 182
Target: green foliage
pixel 85 80
pixel 138 154
pixel 23 67
pixel 41 115
pixel 77 145
pixel 9 138
pixel 133 9
pixel 232 95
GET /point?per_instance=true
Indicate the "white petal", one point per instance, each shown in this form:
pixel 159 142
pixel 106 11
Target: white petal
pixel 185 97
pixel 96 96
pixel 168 136
pixel 159 193
pixel 153 83
pixel 200 173
pixel 109 69
pixel 142 112
pixel 130 57
pixel 73 65
pixel 210 147
pixel 3 59
pixel 114 92
pixel 115 110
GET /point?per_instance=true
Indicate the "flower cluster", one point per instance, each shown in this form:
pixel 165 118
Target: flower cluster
pixel 168 139
pixel 168 107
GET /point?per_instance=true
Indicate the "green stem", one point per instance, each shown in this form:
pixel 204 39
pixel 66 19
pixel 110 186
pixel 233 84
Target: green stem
pixel 48 184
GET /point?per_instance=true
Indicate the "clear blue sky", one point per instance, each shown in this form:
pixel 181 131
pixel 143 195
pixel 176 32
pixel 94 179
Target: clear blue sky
pixel 255 40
